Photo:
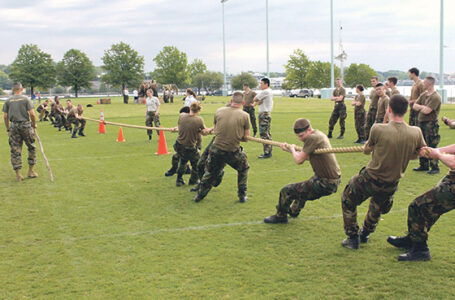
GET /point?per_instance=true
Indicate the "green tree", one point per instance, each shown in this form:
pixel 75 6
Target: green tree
pixel 297 69
pixel 244 77
pixel 196 67
pixel 124 66
pixel 75 70
pixel 358 74
pixel 33 68
pixel 209 80
pixel 171 66
pixel 318 75
pixel 5 82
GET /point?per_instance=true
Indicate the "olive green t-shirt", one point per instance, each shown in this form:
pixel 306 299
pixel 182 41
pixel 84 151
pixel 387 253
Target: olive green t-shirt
pixel 374 98
pixel 17 108
pixel 433 101
pixel 72 111
pixel 190 128
pixel 394 91
pixel 324 165
pixel 383 105
pixel 339 91
pixel 360 98
pixel 248 97
pixel 393 146
pixel 416 90
pixel 230 125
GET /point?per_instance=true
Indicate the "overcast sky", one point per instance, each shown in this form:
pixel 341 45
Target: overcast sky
pixel 386 34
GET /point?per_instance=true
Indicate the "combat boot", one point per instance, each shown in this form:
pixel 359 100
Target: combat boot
pixel 421 169
pixel 170 172
pixel 418 252
pixel 74 134
pixel 340 137
pixel 196 188
pixel 19 175
pixel 404 242
pixel 364 236
pixel 275 219
pixel 31 173
pixel 433 171
pixel 243 199
pixel 329 135
pixel 179 181
pixel 81 132
pixel 351 242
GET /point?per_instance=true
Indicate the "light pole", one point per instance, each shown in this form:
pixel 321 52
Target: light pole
pixel 441 55
pixel 224 52
pixel 267 33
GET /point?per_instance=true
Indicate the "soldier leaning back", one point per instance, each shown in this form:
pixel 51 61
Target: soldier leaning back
pixel 231 125
pixel 19 111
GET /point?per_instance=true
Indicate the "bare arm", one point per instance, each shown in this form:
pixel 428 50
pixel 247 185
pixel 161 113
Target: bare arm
pixel 5 118
pixel 447 159
pixel 32 117
pixel 246 134
pixel 299 156
pixel 422 108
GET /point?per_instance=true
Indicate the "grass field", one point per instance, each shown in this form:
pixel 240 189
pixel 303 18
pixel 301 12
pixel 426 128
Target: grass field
pixel 112 226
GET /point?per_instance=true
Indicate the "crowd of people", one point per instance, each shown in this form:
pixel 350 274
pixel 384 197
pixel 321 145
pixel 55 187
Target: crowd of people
pixel 382 129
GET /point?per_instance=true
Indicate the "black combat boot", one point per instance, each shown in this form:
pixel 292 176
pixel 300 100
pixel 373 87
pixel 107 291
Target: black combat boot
pixel 243 199
pixel 421 169
pixel 179 181
pixel 418 252
pixel 196 188
pixel 364 236
pixel 74 134
pixel 275 219
pixel 351 242
pixel 329 135
pixel 81 132
pixel 400 242
pixel 170 172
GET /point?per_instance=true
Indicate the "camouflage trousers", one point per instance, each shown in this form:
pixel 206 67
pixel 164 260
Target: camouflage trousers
pixel 293 196
pixel 78 123
pixel 370 120
pixel 216 161
pixel 339 112
pixel 186 155
pixel 250 110
pixel 60 120
pixel 19 133
pixel 359 188
pixel 360 123
pixel 264 130
pixel 426 209
pixel 150 119
pixel 43 114
pixel 430 131
pixel 413 116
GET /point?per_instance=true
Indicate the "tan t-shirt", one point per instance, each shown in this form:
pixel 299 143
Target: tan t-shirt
pixel 383 105
pixel 394 91
pixel 17 108
pixel 248 97
pixel 360 98
pixel 374 98
pixel 230 125
pixel 190 128
pixel 324 165
pixel 393 146
pixel 433 101
pixel 416 90
pixel 339 91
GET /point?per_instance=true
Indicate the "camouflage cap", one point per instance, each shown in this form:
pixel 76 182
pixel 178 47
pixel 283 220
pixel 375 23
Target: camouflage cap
pixel 300 125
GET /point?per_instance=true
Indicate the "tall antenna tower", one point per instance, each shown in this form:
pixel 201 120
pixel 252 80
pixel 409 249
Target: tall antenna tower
pixel 342 56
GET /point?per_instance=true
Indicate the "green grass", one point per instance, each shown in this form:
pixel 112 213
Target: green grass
pixel 112 226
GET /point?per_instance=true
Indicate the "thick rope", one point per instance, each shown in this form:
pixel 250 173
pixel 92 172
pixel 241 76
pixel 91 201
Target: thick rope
pixel 250 138
pixel 44 156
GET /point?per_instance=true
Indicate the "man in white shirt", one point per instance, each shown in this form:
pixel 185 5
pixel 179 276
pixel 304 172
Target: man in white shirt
pixel 136 96
pixel 265 101
pixel 125 95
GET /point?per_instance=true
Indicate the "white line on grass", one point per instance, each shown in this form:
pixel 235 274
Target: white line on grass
pixel 195 228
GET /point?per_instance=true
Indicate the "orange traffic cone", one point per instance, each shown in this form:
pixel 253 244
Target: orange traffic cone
pixel 102 128
pixel 162 147
pixel 120 135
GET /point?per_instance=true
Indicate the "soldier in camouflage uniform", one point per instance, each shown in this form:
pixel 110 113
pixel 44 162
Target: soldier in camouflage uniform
pixel 231 125
pixel 75 117
pixel 339 110
pixel 20 123
pixel 265 102
pixel 425 210
pixel 392 146
pixel 324 182
pixel 42 110
pixel 359 114
pixel 248 97
pixel 373 108
pixel 428 105
pixel 152 113
pixel 416 91
pixel 383 103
